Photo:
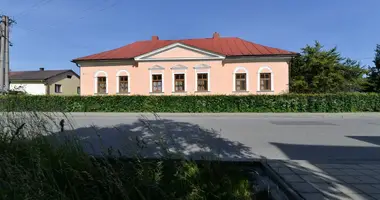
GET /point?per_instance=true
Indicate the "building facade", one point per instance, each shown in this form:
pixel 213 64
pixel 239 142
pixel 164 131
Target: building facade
pixel 45 82
pixel 206 66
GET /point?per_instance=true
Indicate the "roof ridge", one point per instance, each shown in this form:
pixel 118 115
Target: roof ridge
pixel 187 39
pixel 44 70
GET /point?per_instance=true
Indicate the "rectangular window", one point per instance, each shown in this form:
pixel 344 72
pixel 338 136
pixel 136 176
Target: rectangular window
pixel 102 85
pixel 241 82
pixel 123 84
pixel 202 82
pixel 78 90
pixel 58 88
pixel 265 82
pixel 157 83
pixel 179 82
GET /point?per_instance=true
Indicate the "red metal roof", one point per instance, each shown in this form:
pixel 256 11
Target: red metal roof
pixel 227 46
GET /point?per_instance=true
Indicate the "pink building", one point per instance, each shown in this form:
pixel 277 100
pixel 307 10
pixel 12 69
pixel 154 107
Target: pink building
pixel 217 65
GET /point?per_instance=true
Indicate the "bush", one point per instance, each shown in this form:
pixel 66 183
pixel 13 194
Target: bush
pixel 343 102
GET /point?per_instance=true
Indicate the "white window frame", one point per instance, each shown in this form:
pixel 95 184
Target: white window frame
pixel 151 72
pixel 151 83
pixel 201 67
pixel 271 78
pixel 173 82
pixel 96 81
pixel 208 80
pixel 118 80
pixel 246 78
pixel 174 72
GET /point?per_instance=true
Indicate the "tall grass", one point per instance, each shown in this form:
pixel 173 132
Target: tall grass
pixel 34 165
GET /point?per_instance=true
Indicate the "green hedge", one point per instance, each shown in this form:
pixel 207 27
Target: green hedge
pixel 345 102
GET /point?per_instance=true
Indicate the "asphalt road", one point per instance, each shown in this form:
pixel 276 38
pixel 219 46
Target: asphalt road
pixel 321 137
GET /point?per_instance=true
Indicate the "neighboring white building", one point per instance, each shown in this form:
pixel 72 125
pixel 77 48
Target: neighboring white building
pixel 29 88
pixel 45 82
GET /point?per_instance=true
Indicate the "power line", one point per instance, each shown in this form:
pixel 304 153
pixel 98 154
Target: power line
pixel 82 17
pixel 34 6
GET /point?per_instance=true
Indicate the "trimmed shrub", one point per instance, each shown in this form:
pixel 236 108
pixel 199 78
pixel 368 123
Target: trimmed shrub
pixel 342 102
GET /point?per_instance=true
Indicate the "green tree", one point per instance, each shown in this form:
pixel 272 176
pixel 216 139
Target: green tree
pixel 317 70
pixel 373 76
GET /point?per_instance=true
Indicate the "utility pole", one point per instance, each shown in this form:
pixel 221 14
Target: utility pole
pixel 6 52
pixel 2 53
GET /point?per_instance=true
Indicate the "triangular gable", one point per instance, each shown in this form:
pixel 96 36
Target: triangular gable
pixel 179 51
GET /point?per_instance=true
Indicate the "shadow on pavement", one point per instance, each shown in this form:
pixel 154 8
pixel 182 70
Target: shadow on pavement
pixel 331 172
pixel 152 138
pixel 370 139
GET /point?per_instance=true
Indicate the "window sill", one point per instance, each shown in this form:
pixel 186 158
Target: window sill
pixel 242 91
pixel 156 92
pixel 125 93
pixel 265 91
pixel 202 91
pixel 100 94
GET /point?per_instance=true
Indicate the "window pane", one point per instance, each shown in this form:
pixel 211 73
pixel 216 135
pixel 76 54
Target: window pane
pixel 267 85
pixel 202 82
pixel 240 82
pixel 179 82
pixel 265 81
pixel 123 84
pixel 157 83
pixel 102 85
pixel 57 88
pixel 243 85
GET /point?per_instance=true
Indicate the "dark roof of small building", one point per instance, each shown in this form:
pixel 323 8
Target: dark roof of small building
pixel 37 75
pixel 228 46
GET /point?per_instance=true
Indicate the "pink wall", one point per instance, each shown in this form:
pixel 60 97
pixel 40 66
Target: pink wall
pixel 221 76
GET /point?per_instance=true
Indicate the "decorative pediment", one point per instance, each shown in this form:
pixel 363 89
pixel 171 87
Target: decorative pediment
pixel 202 66
pixel 179 67
pixel 179 51
pixel 157 67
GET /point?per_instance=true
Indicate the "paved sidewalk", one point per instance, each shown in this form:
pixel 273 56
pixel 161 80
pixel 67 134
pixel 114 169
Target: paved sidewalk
pixel 356 180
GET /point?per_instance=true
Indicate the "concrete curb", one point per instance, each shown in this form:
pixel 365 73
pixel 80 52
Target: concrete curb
pixel 288 190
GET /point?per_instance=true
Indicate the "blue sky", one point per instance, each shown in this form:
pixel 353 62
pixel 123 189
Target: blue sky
pixel 50 33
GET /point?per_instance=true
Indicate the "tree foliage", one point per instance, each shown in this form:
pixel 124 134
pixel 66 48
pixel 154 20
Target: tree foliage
pixel 317 70
pixel 373 75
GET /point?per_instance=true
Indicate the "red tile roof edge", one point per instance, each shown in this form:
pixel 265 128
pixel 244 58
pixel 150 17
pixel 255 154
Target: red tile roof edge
pixel 214 45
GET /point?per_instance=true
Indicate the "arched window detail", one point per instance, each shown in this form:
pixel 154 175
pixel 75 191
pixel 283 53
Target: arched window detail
pixel 101 82
pixel 240 80
pixel 265 79
pixel 123 82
